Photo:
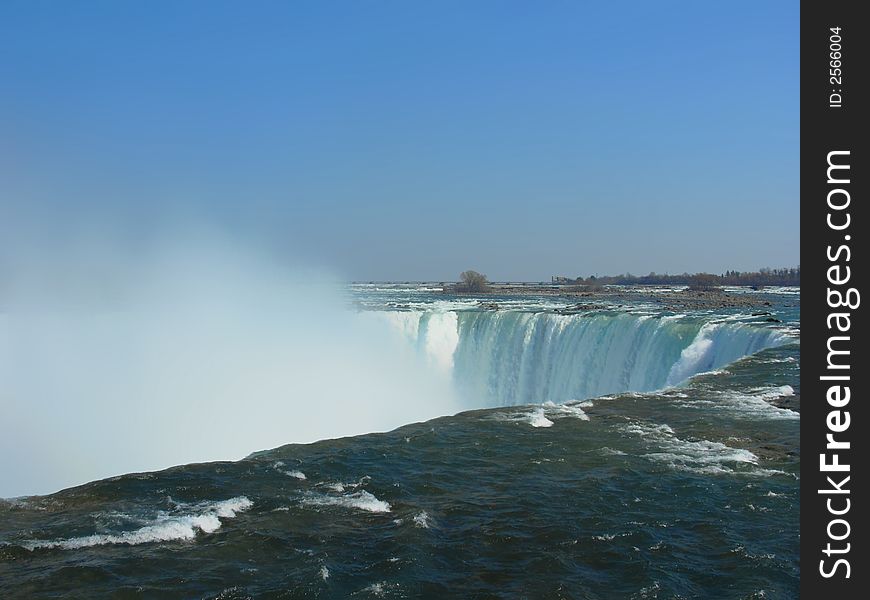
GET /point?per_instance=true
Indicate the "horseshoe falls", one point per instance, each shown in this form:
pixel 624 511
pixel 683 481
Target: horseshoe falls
pixel 627 449
pixel 510 357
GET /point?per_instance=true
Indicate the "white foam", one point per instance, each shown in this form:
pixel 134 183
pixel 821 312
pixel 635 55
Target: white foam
pixel 537 419
pixel 712 373
pixel 769 472
pixel 608 537
pixel 534 417
pixel 757 403
pixel 297 474
pixel 422 519
pixel 699 456
pixel 361 500
pixel 567 410
pixel 164 528
pixel 376 589
pixel 774 392
pixel 787 359
pixel 754 404
pixel 543 415
pixel 669 318
pixel 324 573
pixel 340 487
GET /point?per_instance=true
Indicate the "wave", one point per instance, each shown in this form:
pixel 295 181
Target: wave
pixel 361 500
pixel 164 528
pixel 757 403
pixel 698 456
pixel 509 358
pixel 543 415
pixel 422 519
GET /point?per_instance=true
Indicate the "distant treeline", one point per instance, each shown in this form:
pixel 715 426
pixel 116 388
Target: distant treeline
pixel 761 278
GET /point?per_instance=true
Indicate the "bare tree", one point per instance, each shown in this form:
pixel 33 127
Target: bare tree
pixel 702 282
pixel 472 281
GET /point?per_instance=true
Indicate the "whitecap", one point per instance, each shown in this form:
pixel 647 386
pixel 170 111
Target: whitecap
pixel 378 589
pixel 568 410
pixel 164 528
pixel 537 419
pixel 756 402
pixel 607 537
pixel 699 456
pixel 361 500
pixel 422 519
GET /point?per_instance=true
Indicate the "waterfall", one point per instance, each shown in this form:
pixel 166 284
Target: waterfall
pixel 505 358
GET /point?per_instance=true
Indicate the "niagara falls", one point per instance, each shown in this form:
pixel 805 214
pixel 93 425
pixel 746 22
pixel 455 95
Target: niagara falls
pixel 418 300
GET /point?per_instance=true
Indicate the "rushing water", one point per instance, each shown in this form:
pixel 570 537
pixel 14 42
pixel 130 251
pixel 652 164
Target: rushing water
pixel 615 453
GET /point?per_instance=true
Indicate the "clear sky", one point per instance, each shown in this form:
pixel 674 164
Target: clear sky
pixel 410 140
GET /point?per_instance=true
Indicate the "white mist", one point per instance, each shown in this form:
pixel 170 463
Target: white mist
pixel 195 350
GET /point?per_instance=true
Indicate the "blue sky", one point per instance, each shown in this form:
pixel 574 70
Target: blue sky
pixel 409 140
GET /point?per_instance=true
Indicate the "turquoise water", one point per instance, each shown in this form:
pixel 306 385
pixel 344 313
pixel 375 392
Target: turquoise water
pixel 614 454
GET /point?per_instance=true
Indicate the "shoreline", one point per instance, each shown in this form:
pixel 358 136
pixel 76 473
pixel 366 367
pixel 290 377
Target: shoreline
pixel 685 299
